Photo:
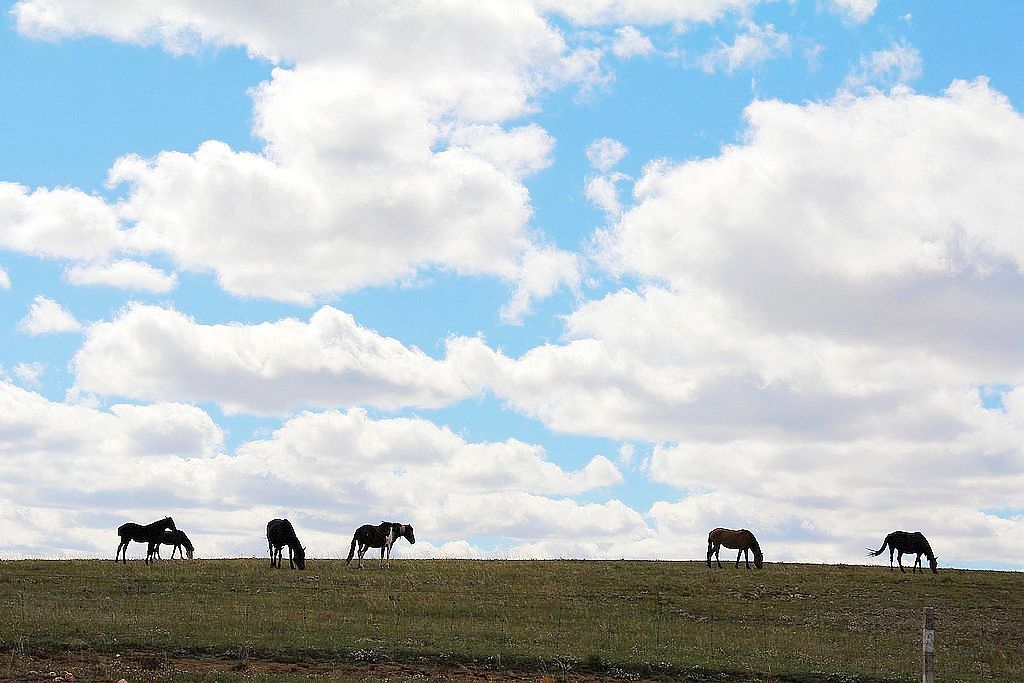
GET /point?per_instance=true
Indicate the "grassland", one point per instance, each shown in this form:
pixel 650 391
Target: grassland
pixel 225 619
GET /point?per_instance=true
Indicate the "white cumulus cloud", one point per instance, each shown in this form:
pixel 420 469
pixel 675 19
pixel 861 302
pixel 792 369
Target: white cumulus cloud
pixel 159 354
pixel 757 44
pixel 897 65
pixel 630 42
pixel 374 168
pixel 46 316
pixel 858 11
pixel 58 223
pixel 325 471
pixel 604 153
pixel 123 274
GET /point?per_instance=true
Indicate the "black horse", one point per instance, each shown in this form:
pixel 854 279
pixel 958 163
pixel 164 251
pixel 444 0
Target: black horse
pixel 280 532
pixel 382 536
pixel 176 538
pixel 908 542
pixel 150 533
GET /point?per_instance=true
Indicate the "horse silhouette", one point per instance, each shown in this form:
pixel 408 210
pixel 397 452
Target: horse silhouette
pixel 280 533
pixel 912 542
pixel 178 539
pixel 738 539
pixel 149 533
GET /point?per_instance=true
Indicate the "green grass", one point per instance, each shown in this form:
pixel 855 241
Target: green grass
pixel 655 619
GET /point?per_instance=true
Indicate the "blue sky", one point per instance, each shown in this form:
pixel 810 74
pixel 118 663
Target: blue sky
pixel 343 266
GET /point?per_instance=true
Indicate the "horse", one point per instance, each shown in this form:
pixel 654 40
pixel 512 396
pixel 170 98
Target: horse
pixel 150 533
pixel 741 540
pixel 280 532
pixel 177 538
pixel 382 536
pixel 908 542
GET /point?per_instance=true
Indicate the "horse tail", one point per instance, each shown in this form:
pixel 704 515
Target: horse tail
pixel 351 549
pixel 876 553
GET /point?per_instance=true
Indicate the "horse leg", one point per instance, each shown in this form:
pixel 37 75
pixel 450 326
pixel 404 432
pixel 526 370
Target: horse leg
pixel 917 563
pixel 710 550
pixel 899 561
pixel 891 551
pixel 739 553
pixel 362 552
pixel 746 557
pixel 382 549
pixel 718 558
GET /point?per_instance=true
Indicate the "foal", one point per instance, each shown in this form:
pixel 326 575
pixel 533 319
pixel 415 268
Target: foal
pixel 280 532
pixel 382 536
pixel 908 542
pixel 176 538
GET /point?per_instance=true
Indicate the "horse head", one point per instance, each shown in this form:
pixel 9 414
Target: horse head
pixel 758 559
pixel 299 555
pixel 169 523
pixel 409 535
pixel 933 562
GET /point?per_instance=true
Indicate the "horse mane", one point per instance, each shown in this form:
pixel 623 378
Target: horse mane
pixel 755 546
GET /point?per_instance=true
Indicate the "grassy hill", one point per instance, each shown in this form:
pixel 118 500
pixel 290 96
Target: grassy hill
pixel 566 620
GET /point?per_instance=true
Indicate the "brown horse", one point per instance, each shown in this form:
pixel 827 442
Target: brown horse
pixel 908 542
pixel 741 540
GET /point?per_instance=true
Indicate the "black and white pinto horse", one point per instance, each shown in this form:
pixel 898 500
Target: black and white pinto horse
pixel 908 542
pixel 382 536
pixel 280 533
pixel 149 533
pixel 178 539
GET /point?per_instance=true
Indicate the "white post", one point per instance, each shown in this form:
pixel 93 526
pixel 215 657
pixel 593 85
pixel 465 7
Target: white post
pixel 928 647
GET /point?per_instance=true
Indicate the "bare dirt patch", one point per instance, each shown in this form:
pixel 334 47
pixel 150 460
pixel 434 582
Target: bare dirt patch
pixel 87 666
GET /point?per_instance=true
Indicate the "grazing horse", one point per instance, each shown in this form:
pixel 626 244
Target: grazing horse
pixel 741 540
pixel 177 538
pixel 908 542
pixel 280 532
pixel 150 533
pixel 382 536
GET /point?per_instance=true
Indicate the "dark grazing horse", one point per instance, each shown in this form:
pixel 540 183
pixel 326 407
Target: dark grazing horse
pixel 176 538
pixel 908 542
pixel 741 540
pixel 150 533
pixel 382 536
pixel 280 532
